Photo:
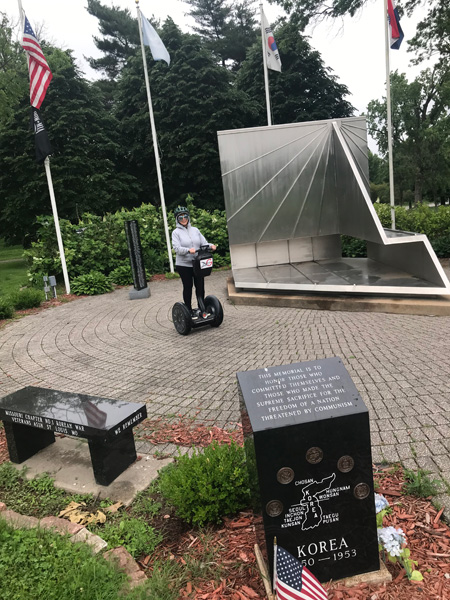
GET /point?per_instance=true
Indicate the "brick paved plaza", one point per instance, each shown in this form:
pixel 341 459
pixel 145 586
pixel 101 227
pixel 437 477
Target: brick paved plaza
pixel 113 347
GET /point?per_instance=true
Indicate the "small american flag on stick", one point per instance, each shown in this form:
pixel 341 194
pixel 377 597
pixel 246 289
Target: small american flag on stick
pixel 40 74
pixel 293 581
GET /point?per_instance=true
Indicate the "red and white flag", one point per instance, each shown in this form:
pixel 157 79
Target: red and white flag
pixel 395 31
pixel 293 581
pixel 270 45
pixel 40 74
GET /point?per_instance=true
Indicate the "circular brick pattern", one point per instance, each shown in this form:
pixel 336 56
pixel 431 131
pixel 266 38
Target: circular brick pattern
pixel 119 348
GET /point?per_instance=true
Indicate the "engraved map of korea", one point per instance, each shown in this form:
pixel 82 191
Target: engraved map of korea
pixel 308 512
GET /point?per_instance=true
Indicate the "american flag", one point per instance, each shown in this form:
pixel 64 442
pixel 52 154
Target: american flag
pixel 293 581
pixel 40 74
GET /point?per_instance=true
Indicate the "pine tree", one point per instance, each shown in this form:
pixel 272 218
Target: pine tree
pixel 86 154
pixel 305 90
pixel 120 37
pixel 227 30
pixel 192 100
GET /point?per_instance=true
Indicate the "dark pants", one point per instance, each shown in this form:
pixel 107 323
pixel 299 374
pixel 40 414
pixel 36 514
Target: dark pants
pixel 188 278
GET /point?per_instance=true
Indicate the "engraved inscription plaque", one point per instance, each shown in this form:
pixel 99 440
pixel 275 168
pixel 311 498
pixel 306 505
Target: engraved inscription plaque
pixel 307 442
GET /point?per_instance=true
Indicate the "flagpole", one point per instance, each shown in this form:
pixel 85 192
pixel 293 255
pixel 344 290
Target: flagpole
pixel 56 219
pixel 389 114
pixel 266 72
pixel 274 564
pixel 155 141
pixel 51 191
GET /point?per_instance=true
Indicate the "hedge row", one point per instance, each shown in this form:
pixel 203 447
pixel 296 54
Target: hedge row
pixel 433 222
pixel 98 244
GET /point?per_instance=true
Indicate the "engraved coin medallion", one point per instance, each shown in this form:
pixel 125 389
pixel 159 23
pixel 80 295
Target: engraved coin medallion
pixel 285 475
pixel 345 464
pixel 314 455
pixel 274 508
pixel 361 491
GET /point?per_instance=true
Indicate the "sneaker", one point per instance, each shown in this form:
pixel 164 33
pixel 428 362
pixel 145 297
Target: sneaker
pixel 194 313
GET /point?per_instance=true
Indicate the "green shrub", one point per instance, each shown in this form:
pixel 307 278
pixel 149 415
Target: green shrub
pixel 137 536
pixel 208 485
pixel 99 243
pixel 6 309
pixel 121 275
pixel 353 247
pixel 27 298
pixel 441 246
pixel 90 284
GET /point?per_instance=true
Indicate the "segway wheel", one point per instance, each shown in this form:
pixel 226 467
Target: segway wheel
pixel 181 317
pixel 213 305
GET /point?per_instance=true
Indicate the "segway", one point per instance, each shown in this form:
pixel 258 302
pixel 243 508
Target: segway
pixel 209 311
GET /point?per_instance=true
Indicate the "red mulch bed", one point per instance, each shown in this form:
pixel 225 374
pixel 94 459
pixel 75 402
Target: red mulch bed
pixel 186 432
pixel 158 277
pixel 428 537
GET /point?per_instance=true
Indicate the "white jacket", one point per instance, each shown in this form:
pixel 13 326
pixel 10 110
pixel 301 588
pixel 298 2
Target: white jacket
pixel 184 238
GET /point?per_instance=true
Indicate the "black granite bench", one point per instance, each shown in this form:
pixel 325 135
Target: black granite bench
pixel 32 415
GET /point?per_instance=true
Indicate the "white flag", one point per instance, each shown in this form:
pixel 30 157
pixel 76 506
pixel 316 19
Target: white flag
pixel 152 39
pixel 273 56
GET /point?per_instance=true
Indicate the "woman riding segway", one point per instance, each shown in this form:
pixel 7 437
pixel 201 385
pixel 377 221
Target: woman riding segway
pixel 189 243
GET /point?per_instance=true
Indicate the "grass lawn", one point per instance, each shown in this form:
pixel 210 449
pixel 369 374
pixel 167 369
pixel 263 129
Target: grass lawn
pixel 13 275
pixel 10 252
pixel 13 270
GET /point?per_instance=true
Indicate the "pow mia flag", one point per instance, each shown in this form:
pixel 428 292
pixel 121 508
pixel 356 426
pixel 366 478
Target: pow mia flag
pixel 43 148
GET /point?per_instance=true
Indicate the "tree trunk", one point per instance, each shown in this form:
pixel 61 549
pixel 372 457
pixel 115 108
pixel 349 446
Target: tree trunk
pixel 418 187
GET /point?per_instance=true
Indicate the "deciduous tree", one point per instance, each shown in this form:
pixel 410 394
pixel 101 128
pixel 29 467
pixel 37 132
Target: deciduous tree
pixel 420 131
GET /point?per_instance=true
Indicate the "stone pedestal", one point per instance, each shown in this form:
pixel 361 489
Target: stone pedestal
pixel 307 438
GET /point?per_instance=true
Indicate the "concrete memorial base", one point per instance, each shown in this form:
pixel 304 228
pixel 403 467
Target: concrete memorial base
pixel 431 307
pixel 68 462
pixel 372 578
pixel 134 294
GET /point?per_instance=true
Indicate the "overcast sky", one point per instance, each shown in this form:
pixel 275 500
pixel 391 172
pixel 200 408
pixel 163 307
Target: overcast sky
pixel 352 47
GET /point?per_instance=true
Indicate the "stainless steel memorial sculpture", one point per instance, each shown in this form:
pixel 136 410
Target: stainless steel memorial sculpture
pixel 291 191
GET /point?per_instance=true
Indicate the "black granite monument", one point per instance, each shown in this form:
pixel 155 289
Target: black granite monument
pixel 141 289
pixel 32 415
pixel 307 432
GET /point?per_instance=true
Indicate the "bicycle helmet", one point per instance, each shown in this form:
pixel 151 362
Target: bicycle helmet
pixel 180 210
